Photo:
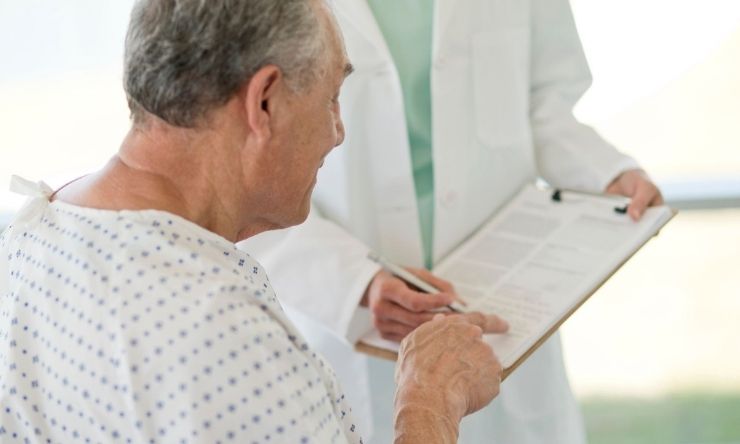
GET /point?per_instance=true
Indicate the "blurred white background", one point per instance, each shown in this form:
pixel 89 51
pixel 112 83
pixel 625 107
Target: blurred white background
pixel 666 90
pixel 62 107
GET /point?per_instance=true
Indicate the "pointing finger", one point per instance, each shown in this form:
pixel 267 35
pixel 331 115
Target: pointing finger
pixel 487 323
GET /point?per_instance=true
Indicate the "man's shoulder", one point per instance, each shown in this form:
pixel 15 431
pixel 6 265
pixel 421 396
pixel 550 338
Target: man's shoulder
pixel 216 312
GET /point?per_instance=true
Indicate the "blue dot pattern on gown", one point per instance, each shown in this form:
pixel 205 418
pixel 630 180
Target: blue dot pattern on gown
pixel 141 327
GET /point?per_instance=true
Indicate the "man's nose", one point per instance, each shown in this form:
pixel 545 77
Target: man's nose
pixel 340 132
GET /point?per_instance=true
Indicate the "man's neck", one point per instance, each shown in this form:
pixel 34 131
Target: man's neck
pixel 167 169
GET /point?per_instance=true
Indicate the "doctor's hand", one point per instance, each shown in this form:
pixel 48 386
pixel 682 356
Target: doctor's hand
pixel 397 309
pixel 636 185
pixel 444 372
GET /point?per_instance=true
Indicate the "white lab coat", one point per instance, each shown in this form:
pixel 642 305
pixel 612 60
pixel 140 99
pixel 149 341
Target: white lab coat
pixel 505 77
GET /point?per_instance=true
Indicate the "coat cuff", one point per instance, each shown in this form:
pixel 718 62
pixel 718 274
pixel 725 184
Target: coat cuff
pixel 355 321
pixel 625 164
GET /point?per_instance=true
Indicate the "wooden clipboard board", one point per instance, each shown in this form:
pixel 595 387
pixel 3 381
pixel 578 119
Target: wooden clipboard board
pixel 389 355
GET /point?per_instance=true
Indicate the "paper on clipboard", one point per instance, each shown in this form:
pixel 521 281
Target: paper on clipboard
pixel 535 262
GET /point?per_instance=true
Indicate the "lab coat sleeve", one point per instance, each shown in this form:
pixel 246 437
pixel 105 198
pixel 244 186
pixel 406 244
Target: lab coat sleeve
pixel 569 154
pixel 319 270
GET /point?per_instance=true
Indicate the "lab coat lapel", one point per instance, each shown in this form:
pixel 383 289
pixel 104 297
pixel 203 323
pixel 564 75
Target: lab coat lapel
pixel 392 190
pixel 443 13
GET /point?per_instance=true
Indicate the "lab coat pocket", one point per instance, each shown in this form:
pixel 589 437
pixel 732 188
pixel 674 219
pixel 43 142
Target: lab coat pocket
pixel 500 62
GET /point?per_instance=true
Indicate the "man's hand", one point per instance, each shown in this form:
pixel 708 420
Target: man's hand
pixel 397 309
pixel 636 185
pixel 444 371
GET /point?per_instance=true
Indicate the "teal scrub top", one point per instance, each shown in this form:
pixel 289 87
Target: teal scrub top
pixel 407 28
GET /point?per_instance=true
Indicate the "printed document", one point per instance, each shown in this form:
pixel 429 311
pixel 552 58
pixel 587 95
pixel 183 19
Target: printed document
pixel 537 260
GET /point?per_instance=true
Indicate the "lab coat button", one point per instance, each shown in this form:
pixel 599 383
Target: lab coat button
pixel 449 199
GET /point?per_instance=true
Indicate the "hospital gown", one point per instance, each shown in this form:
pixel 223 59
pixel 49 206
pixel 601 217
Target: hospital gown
pixel 140 326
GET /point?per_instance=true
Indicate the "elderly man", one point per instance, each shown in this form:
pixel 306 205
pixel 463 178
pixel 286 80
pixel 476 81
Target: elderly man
pixel 127 312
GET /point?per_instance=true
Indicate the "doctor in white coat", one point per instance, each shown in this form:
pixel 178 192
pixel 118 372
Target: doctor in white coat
pixel 500 78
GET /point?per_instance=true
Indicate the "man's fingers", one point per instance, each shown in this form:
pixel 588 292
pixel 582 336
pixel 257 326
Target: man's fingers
pixel 495 324
pixel 488 323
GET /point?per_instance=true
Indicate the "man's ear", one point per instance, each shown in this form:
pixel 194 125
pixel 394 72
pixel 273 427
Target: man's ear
pixel 259 97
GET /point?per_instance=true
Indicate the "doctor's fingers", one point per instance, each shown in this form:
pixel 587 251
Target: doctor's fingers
pixel 444 285
pixel 646 194
pixel 427 276
pixel 390 311
pixel 392 330
pixel 417 301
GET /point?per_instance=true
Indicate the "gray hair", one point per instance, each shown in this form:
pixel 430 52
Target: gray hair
pixel 185 57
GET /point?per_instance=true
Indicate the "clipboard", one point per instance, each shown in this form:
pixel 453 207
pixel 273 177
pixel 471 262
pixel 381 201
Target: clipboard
pixel 568 207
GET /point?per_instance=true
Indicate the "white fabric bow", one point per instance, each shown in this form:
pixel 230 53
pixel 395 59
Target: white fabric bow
pixel 38 193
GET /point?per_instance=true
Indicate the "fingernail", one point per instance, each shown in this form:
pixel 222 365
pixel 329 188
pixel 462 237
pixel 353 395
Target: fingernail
pixel 496 321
